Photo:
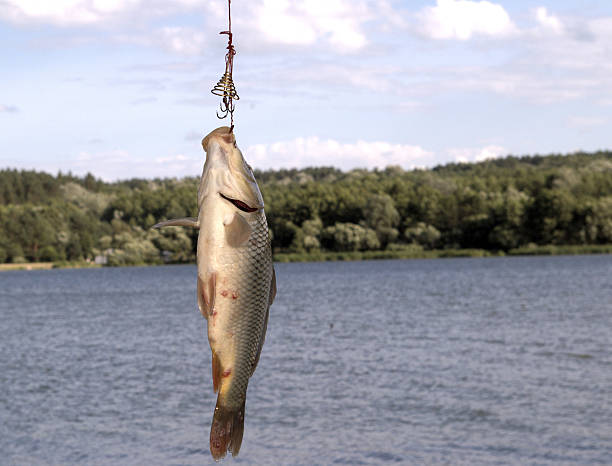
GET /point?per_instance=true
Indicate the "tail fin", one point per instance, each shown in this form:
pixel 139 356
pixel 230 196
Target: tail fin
pixel 226 430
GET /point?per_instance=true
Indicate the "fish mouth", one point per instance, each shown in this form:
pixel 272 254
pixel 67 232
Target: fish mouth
pixel 239 204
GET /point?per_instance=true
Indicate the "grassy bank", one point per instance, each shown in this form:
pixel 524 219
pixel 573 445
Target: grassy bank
pixel 551 250
pixel 415 253
pixel 27 266
pixel 48 265
pixel 325 256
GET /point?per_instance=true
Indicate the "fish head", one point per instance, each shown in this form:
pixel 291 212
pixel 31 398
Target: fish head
pixel 227 174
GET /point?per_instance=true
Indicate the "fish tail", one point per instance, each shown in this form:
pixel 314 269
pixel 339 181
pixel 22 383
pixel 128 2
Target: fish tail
pixel 226 430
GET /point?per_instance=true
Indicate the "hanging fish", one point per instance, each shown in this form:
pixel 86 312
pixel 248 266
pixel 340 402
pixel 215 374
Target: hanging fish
pixel 236 280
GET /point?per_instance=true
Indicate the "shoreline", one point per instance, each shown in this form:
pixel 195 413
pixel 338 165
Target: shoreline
pixel 412 253
pixel 331 256
pixel 48 265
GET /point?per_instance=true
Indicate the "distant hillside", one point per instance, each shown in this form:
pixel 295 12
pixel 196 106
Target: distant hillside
pixel 496 205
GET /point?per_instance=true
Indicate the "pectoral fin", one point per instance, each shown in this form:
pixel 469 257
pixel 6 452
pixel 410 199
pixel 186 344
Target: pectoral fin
pixel 237 230
pixel 179 222
pixel 202 305
pixel 206 295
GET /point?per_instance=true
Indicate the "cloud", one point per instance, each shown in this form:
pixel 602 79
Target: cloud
pixel 339 77
pixel 112 165
pixel 62 12
pixel 338 23
pixel 8 108
pixel 118 164
pixel 88 12
pixel 312 151
pixel 580 45
pixel 467 155
pixel 547 21
pixel 463 19
pixel 335 23
pixel 178 40
pixel 262 26
pixel 182 40
pixel 194 135
pixel 585 122
pixel 143 100
pixel 536 85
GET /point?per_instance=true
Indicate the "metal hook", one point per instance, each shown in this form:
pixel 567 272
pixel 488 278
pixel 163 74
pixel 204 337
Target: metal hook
pixel 225 87
pixel 226 106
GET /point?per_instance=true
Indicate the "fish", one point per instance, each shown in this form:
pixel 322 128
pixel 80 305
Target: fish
pixel 236 280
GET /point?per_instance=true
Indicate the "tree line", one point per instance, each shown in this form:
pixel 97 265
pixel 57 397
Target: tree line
pixel 496 205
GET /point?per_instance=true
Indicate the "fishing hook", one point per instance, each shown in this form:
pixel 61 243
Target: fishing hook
pixel 225 88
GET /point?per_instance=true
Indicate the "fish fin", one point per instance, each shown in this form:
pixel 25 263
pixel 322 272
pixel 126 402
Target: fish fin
pixel 206 297
pixel 237 230
pixel 265 325
pixel 262 339
pixel 212 290
pixel 272 287
pixel 202 306
pixel 216 371
pixel 179 222
pixel 226 430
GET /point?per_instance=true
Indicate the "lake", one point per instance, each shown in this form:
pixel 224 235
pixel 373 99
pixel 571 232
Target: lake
pixel 444 361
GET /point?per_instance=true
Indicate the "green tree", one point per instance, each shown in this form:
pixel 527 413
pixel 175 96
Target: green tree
pixel 423 234
pixel 381 216
pixel 350 237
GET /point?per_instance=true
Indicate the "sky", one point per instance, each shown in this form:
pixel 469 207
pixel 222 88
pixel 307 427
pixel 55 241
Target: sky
pixel 121 89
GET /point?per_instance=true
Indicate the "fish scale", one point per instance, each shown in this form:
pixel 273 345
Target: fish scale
pixel 252 266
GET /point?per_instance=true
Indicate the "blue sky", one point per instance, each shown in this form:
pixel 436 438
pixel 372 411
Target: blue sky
pixel 122 88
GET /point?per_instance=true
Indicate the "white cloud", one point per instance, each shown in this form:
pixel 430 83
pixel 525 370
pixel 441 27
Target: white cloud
pixel 584 46
pixel 537 80
pixel 338 77
pixel 462 19
pixel 144 100
pixel 87 12
pixel 466 155
pixel 547 21
pixel 304 22
pixel 120 164
pixel 112 165
pixel 8 108
pixel 182 40
pixel 585 122
pixel 338 25
pixel 62 12
pixel 194 135
pixel 312 151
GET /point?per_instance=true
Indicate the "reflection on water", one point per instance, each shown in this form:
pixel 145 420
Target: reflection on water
pixel 458 361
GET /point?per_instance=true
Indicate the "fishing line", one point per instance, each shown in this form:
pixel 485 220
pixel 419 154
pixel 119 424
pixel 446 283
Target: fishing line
pixel 225 87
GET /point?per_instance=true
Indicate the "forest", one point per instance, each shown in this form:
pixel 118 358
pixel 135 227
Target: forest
pixel 499 206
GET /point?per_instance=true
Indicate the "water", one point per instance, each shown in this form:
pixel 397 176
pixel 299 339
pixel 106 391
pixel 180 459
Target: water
pixel 458 361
